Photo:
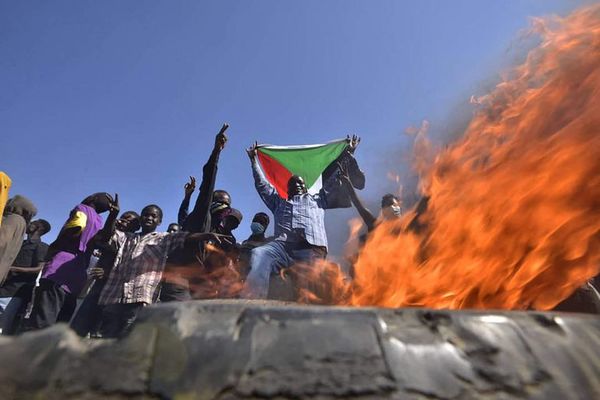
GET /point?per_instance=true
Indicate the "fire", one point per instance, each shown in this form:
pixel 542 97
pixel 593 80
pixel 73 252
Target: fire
pixel 353 243
pixel 511 216
pixel 214 278
pixel 510 213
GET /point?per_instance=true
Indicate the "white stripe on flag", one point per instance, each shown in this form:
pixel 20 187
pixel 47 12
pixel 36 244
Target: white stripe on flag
pixel 300 146
pixel 314 189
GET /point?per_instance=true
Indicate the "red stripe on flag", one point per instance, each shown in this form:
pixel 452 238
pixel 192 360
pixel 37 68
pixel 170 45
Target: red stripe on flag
pixel 275 173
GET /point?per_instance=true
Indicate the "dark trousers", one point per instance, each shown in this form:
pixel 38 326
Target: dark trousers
pixel 88 316
pixel 175 286
pixel 118 319
pixel 51 304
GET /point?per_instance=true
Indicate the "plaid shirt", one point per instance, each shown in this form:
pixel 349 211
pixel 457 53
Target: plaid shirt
pixel 139 265
pixel 298 218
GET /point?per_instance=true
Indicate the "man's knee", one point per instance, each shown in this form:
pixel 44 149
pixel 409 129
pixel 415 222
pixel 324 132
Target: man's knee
pixel 262 255
pixel 269 249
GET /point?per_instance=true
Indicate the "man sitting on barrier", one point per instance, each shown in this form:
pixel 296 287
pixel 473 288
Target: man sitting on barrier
pixel 299 229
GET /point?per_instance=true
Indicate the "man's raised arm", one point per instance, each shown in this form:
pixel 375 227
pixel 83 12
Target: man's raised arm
pixel 265 190
pixel 188 188
pixel 197 220
pixel 357 177
pixel 364 212
pixel 106 233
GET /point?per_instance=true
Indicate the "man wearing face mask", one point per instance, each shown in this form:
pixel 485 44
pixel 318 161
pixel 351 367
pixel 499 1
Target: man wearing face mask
pixel 208 203
pixel 259 226
pixel 226 222
pixel 221 219
pixel 220 208
pixel 300 234
pixel 176 285
pixel 228 251
pixel 390 207
pixel 390 204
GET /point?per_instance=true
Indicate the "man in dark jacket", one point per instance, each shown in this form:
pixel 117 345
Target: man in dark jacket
pixel 22 275
pixel 208 211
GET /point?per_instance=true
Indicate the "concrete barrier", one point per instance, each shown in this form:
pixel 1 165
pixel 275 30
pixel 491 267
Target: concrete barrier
pixel 273 350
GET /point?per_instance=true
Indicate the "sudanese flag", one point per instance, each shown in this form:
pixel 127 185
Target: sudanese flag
pixel 279 163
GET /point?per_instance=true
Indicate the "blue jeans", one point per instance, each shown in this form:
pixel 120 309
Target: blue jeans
pixel 271 257
pixel 9 306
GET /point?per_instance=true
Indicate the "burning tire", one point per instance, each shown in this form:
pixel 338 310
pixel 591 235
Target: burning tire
pixel 254 350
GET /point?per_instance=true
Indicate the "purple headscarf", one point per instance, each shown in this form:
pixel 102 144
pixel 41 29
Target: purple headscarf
pixel 69 269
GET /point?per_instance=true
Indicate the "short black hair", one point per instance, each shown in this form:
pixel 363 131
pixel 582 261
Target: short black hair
pixel 261 217
pixel 222 192
pixel 388 199
pixel 99 197
pixel 160 212
pixel 296 177
pixel 46 227
pixel 174 224
pixel 136 215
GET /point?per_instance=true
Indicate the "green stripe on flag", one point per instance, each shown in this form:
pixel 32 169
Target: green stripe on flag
pixel 308 162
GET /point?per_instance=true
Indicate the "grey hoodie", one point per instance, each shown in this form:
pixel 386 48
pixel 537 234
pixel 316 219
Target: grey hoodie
pixel 18 212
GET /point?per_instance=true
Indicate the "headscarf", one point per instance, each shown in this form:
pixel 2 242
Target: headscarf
pixel 11 238
pixel 5 183
pixel 19 210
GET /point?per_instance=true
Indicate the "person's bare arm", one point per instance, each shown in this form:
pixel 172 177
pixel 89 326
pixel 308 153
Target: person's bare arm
pixel 357 177
pixel 108 230
pixel 363 211
pixel 29 270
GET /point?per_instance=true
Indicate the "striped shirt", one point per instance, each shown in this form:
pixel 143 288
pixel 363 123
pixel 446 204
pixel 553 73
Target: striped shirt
pixel 301 217
pixel 139 266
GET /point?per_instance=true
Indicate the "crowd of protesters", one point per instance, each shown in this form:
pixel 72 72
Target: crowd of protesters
pixel 98 274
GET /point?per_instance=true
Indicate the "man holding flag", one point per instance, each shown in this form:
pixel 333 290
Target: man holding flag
pixel 288 180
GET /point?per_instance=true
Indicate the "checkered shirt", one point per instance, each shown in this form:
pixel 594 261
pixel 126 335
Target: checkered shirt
pixel 301 217
pixel 138 266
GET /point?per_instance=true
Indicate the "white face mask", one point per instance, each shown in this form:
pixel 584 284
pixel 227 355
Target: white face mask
pixel 391 212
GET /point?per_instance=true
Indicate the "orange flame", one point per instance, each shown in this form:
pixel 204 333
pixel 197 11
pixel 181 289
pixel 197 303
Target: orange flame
pixel 510 215
pixel 216 277
pixel 321 283
pixel 512 212
pixel 352 244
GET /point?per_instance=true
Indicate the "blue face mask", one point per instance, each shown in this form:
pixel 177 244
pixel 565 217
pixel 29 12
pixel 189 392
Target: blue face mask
pixel 257 228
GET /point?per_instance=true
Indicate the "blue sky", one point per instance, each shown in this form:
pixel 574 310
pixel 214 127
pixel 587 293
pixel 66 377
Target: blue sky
pixel 126 96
